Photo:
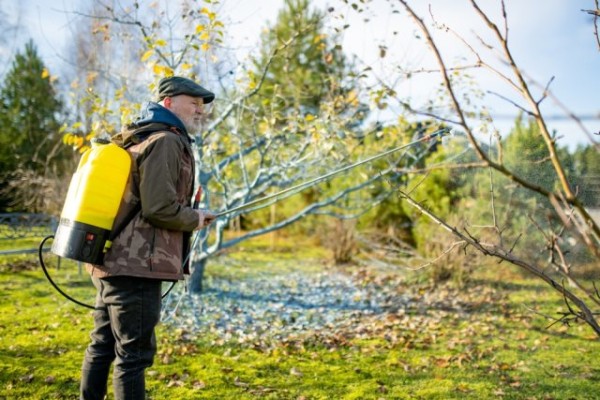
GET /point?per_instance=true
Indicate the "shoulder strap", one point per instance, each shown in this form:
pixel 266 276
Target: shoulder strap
pixel 128 218
pixel 138 207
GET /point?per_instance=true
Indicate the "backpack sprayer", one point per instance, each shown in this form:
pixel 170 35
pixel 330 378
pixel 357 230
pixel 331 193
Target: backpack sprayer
pixel 91 205
pixel 85 230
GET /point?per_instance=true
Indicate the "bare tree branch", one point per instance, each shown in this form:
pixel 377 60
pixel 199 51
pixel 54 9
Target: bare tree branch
pixel 524 89
pixel 490 250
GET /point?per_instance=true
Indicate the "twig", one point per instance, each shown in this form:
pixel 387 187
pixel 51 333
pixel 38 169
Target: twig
pixel 520 107
pixel 545 92
pixel 492 197
pixel 596 14
pixel 574 117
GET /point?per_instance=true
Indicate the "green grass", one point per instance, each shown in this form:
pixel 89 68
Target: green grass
pixel 496 347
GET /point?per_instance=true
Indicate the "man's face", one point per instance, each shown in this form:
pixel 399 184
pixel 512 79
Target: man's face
pixel 190 110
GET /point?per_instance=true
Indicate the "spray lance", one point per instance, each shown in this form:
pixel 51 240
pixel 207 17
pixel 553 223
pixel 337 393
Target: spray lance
pixel 84 239
pixel 304 185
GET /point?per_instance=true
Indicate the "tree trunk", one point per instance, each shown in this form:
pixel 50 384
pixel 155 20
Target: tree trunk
pixel 197 277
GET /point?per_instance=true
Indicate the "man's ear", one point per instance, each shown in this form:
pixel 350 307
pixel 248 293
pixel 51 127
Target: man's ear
pixel 167 101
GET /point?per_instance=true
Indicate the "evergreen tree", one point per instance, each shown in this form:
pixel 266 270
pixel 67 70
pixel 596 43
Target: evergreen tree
pixel 29 137
pixel 526 153
pixel 586 175
pixel 309 71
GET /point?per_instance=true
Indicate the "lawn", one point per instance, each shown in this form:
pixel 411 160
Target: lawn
pixel 275 323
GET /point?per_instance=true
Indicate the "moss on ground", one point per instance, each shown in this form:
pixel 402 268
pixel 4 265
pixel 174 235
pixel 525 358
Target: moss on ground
pixel 487 340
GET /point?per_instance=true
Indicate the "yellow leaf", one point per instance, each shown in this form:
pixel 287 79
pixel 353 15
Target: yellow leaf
pixel 205 46
pixel 263 127
pixel 45 73
pixel 204 36
pixel 200 28
pixel 147 55
pixel 119 93
pixel 352 98
pixel 186 66
pixel 204 10
pixel 91 77
pixel 218 24
pixel 161 42
pixel 309 117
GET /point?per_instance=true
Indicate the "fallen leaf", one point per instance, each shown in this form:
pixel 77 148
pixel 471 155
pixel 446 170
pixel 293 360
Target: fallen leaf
pixel 175 383
pixel 237 382
pixel 198 385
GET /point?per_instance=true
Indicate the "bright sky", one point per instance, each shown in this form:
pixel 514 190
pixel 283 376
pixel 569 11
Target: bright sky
pixel 553 39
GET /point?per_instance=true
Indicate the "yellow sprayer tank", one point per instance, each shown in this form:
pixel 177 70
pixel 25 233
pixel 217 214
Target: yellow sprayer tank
pixel 92 203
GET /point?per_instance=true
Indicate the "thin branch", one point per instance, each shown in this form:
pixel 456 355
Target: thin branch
pixel 574 117
pixel 492 198
pixel 545 92
pixel 596 14
pixel 499 253
pixel 409 108
pixel 442 254
pixel 513 103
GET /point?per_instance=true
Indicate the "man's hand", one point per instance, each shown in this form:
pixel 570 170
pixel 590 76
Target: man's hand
pixel 205 218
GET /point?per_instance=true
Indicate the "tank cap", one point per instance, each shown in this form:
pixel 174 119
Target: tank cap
pixel 98 140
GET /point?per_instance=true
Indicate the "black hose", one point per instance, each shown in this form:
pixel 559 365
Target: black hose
pixel 59 290
pixel 169 290
pixel 40 250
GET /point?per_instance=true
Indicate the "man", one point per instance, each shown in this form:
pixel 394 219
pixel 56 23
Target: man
pixel 155 221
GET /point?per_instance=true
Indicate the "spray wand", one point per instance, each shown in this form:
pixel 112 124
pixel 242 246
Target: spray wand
pixel 304 185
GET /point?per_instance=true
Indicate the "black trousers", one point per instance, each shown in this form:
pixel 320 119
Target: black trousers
pixel 127 311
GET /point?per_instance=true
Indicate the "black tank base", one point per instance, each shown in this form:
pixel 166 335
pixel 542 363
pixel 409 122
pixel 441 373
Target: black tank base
pixel 80 242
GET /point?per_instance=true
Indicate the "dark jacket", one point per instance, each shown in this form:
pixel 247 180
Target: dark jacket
pixel 151 244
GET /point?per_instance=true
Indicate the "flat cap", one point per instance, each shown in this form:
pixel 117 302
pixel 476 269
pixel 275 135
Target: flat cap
pixel 175 85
